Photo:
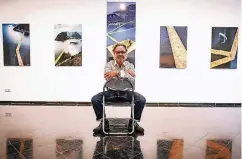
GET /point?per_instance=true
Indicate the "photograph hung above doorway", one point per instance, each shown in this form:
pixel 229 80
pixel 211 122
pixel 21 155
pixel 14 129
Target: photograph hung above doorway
pixel 121 28
pixel 224 48
pixel 173 47
pixel 16 44
pixel 68 45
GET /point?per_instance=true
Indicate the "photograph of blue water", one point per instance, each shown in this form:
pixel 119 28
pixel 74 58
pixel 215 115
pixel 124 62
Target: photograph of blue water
pixel 16 44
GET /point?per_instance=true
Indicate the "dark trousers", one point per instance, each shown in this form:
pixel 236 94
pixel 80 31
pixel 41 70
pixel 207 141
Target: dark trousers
pixel 139 101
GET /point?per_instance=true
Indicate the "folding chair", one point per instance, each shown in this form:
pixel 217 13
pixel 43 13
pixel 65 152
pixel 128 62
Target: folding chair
pixel 119 86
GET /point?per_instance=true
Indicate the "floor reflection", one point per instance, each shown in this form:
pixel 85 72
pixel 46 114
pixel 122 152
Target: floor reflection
pixel 219 149
pixel 69 149
pixel 170 133
pixel 19 148
pixel 118 147
pixel 170 149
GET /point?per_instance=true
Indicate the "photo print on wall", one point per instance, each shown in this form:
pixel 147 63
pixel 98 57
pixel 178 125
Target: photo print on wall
pixel 16 44
pixel 173 47
pixel 68 45
pixel 121 28
pixel 224 48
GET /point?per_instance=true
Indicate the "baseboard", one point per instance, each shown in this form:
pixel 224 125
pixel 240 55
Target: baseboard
pixel 59 103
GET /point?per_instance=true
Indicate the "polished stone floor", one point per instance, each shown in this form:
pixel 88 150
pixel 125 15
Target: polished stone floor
pixel 170 133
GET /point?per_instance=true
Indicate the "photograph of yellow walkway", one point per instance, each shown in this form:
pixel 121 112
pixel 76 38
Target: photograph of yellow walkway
pixel 129 43
pixel 178 49
pixel 121 27
pixel 16 44
pixel 173 47
pixel 230 55
pixel 20 61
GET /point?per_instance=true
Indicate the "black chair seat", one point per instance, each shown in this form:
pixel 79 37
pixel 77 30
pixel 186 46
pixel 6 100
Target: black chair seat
pixel 117 103
pixel 117 100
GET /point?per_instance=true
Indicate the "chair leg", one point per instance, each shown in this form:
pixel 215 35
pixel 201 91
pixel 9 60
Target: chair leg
pixel 132 112
pixel 104 117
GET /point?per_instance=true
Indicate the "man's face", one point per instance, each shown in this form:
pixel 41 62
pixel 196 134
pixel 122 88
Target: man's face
pixel 120 54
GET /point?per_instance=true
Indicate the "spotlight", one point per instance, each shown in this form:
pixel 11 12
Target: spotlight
pixel 122 6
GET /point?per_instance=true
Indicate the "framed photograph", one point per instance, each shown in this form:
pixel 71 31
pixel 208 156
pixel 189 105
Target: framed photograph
pixel 16 44
pixel 173 47
pixel 121 27
pixel 224 48
pixel 68 45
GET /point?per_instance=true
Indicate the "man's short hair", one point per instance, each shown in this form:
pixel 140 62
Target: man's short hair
pixel 119 44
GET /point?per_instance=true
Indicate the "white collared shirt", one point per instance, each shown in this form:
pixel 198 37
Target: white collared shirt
pixel 113 66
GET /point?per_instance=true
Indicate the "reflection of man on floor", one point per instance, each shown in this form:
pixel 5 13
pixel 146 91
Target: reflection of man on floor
pixel 117 148
pixel 123 68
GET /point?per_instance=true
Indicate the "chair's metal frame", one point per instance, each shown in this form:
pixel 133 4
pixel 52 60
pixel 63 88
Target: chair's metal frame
pixel 132 107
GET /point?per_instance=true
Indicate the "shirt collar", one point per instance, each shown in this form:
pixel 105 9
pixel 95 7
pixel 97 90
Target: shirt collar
pixel 115 63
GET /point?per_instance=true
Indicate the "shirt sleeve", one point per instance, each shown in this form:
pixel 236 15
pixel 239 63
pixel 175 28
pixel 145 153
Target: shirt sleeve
pixel 127 75
pixel 108 67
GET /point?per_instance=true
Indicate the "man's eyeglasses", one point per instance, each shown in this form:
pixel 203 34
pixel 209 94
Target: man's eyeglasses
pixel 120 52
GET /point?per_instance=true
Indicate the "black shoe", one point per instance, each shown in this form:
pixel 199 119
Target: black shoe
pixel 99 128
pixel 137 128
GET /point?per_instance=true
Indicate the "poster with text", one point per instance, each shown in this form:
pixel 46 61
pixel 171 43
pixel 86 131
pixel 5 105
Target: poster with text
pixel 121 27
pixel 224 48
pixel 68 45
pixel 173 47
pixel 16 44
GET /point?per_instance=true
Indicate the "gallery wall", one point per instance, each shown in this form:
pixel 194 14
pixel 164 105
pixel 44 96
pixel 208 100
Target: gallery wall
pixel 42 80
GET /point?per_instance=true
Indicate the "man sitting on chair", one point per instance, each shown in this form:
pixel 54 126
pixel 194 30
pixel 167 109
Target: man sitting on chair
pixel 119 68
